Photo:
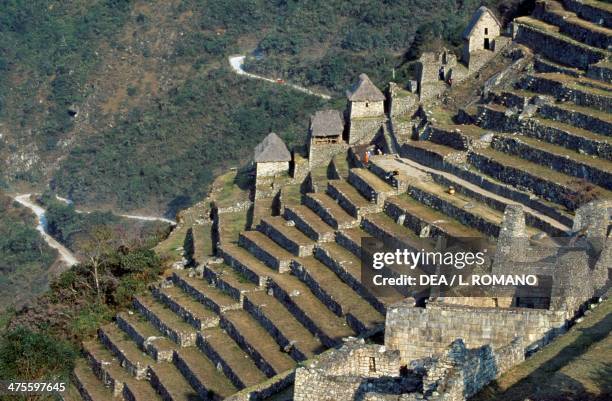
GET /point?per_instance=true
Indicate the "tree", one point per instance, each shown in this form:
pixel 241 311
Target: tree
pixel 189 248
pixel 97 249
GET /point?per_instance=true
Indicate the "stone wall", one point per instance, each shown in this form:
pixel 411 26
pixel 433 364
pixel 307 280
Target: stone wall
pixel 401 101
pixel 578 32
pixel 269 169
pixel 323 153
pixel 364 130
pixel 561 163
pixel 552 191
pixel 366 109
pixel 500 121
pixel 589 12
pixel 424 332
pixel 550 45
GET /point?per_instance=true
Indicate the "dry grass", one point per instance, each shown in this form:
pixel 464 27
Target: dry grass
pixel 577 366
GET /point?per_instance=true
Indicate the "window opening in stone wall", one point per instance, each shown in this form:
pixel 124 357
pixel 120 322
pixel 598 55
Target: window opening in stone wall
pixel 486 31
pixel 367 104
pixel 487 45
pixel 372 364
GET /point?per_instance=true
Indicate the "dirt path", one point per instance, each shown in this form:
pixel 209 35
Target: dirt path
pixel 413 168
pixel 237 61
pixel 127 216
pixel 64 253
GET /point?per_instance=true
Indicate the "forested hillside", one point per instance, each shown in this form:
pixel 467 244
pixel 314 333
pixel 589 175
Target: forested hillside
pixel 132 105
pixel 25 259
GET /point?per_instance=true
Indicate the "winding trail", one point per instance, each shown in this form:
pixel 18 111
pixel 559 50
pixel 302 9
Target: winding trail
pixel 237 62
pixel 64 253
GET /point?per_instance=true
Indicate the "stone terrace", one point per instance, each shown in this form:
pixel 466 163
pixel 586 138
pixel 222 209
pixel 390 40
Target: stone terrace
pixel 543 140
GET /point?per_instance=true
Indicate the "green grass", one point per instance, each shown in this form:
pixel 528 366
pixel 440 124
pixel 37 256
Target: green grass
pixel 576 366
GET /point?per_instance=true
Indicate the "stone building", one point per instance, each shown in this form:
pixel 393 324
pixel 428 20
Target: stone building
pixel 271 156
pixel 366 110
pixel 479 37
pixel 325 136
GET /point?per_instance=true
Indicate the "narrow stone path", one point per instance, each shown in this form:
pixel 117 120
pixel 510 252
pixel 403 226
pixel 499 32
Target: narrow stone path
pixel 237 61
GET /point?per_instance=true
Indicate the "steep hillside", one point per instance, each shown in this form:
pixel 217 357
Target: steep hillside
pixel 25 260
pixel 132 105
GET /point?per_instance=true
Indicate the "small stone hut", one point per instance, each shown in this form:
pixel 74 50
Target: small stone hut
pixel 481 32
pixel 365 99
pixel 325 132
pixel 271 156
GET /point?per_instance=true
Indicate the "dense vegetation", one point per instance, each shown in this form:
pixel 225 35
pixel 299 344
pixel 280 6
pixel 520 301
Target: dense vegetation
pixel 42 340
pixel 140 97
pixel 349 37
pixel 25 259
pixel 75 230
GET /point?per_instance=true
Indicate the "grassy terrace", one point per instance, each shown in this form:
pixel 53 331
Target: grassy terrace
pixel 449 225
pixel 572 18
pixel 554 31
pixel 432 147
pixel 576 366
pixel 561 151
pixel 586 110
pixel 569 128
pixel 533 168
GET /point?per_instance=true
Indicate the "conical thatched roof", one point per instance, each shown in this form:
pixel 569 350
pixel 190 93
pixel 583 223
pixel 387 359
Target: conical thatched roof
pixel 475 18
pixel 271 149
pixel 364 90
pixel 326 123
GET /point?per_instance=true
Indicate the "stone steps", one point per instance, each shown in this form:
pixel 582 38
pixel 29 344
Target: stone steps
pixel 339 297
pixel 310 223
pixel 209 296
pixel 266 250
pixel 549 184
pixel 597 171
pixel 428 153
pixel 309 310
pixel 245 264
pixel 350 199
pixel 89 386
pixel 170 383
pixel 186 307
pixel 106 367
pixel 228 357
pixel 351 239
pixel 288 332
pixel 256 342
pixel 565 88
pixel 146 336
pixel 546 39
pixel 329 211
pixel 166 321
pixel 288 237
pixel 202 375
pixel 570 24
pixel 342 165
pixel 370 185
pixel 228 280
pixel 132 359
pixel 348 268
pixel 382 227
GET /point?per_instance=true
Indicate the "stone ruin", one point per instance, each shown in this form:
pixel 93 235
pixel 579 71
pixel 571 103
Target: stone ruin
pixel 525 168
